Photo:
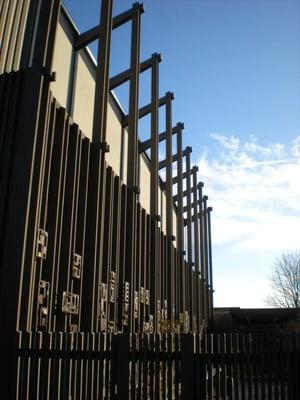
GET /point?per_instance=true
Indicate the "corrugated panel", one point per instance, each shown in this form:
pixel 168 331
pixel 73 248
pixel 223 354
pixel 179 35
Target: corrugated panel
pixel 12 22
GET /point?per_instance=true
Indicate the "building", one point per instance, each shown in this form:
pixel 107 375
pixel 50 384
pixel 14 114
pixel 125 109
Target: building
pixel 93 240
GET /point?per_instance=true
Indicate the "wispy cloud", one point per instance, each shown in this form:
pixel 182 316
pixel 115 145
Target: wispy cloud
pixel 254 190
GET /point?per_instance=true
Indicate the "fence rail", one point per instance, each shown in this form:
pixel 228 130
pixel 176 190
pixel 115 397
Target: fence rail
pixel 167 366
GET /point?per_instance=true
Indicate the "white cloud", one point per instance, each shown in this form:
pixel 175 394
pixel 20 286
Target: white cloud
pixel 255 192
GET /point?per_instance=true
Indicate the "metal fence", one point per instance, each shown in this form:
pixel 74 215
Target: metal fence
pixel 161 366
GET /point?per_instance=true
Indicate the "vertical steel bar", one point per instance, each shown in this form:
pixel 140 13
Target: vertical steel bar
pixel 205 242
pixel 155 259
pixel 169 160
pixel 196 249
pixel 132 162
pixel 196 225
pixel 202 256
pixel 133 155
pixel 189 206
pixel 210 283
pixel 180 227
pixel 102 75
pixel 169 267
pixel 154 136
pixel 189 234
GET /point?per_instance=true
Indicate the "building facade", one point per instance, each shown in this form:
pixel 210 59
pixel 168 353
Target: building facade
pixel 94 239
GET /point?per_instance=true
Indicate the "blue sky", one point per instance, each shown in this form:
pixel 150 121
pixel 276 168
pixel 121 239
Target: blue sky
pixel 234 66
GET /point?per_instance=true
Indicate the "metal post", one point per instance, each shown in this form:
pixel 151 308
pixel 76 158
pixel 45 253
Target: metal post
pixel 170 295
pixel 189 236
pixel 196 227
pixel 202 257
pixel 205 242
pixel 169 194
pixel 102 76
pixel 189 207
pixel 132 161
pixel 154 136
pixel 196 247
pixel 155 257
pixel 180 227
pixel 209 210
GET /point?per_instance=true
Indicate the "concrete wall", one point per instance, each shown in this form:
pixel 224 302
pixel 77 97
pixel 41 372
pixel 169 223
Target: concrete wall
pixel 74 89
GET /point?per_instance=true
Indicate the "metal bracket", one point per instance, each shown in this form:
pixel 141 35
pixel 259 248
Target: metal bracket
pixel 136 190
pixel 50 76
pixel 104 146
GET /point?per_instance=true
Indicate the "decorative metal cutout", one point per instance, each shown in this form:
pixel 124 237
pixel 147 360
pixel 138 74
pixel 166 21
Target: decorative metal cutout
pixel 70 303
pixel 146 327
pixel 42 243
pixel 73 328
pixel 136 303
pixel 186 322
pixel 158 316
pixel 147 297
pixel 151 325
pixel 111 326
pixel 43 298
pixel 112 286
pixel 76 267
pixel 142 295
pixel 103 307
pixel 125 303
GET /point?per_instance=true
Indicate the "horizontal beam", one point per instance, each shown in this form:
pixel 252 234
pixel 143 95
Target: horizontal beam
pixel 193 218
pixel 185 208
pixel 184 194
pixel 163 163
pixel 124 76
pixel 92 34
pixel 184 175
pixel 162 136
pixel 147 109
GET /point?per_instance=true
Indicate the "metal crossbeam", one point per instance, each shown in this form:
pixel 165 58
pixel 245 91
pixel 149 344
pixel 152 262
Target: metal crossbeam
pixel 124 76
pixel 97 31
pixel 184 175
pixel 143 146
pixel 185 152
pixel 147 109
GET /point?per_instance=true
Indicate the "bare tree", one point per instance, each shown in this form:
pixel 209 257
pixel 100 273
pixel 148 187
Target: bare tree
pixel 285 281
